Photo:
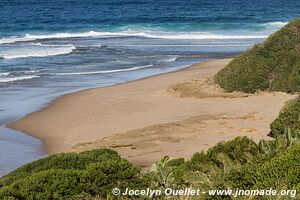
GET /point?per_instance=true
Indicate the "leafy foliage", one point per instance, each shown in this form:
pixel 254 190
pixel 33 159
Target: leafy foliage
pixel 162 173
pixel 281 168
pixel 240 149
pixel 239 163
pixel 289 117
pixel 61 161
pixel 272 171
pixel 273 65
pixel 71 176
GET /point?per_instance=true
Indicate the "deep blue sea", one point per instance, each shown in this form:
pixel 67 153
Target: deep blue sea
pixel 53 47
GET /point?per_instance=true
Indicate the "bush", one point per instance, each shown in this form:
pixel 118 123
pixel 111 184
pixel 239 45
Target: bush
pixel 239 163
pixel 210 166
pixel 273 65
pixel 282 168
pixel 60 161
pixel 289 117
pixel 269 172
pixel 71 176
pixel 242 166
pixel 101 178
pixel 49 184
pixel 240 149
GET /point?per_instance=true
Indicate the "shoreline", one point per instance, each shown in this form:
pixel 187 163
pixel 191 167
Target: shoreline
pixel 11 124
pixel 114 116
pixel 51 102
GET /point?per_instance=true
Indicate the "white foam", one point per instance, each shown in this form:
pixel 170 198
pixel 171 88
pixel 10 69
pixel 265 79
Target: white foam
pixel 36 50
pixel 102 71
pixel 19 78
pixel 171 59
pixel 24 72
pixel 31 71
pixel 275 24
pixel 91 45
pixel 29 37
pixel 202 36
pixel 148 34
pixel 5 74
pixel 144 33
pixel 13 39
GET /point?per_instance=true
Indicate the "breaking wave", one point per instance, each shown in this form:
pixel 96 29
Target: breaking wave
pixel 101 71
pixel 19 78
pixel 36 50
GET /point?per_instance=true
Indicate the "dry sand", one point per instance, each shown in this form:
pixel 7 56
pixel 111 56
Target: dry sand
pixel 146 119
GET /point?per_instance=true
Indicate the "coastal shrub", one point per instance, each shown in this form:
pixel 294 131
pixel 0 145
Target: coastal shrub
pixel 100 178
pixel 289 117
pixel 96 180
pixel 49 184
pixel 283 167
pixel 176 162
pixel 273 65
pixel 61 161
pixel 268 172
pixel 210 166
pixel 240 149
pixel 239 163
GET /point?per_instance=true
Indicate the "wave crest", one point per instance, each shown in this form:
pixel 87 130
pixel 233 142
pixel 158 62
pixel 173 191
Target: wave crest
pixel 101 72
pixel 36 50
pixel 275 24
pixel 19 78
pixel 155 32
pixel 148 34
pixel 4 73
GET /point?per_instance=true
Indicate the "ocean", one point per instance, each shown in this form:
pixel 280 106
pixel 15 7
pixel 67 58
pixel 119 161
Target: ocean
pixel 50 48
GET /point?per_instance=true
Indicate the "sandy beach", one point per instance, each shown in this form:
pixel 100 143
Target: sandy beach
pixel 175 114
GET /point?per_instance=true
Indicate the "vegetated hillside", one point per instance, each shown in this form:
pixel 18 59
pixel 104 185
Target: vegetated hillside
pixel 239 163
pixel 273 65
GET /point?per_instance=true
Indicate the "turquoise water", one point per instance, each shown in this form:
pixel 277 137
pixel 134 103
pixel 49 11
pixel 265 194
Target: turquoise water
pixel 50 48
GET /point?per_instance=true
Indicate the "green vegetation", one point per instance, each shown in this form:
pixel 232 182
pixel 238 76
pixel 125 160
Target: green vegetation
pixel 239 163
pixel 289 117
pixel 71 176
pixel 279 171
pixel 273 65
pixel 63 161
